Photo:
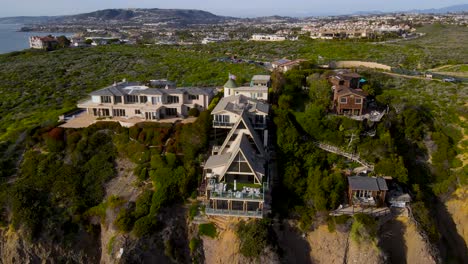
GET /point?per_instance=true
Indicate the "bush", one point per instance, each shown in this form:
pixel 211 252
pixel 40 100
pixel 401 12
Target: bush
pixel 364 228
pixel 193 210
pixel 144 226
pixel 194 244
pixel 125 220
pixel 253 237
pixel 207 230
pixel 194 112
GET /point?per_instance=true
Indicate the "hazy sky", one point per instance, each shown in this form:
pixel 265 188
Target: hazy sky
pixel 220 7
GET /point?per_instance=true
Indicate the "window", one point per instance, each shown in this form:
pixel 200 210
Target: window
pixel 156 100
pixel 259 119
pixel 131 99
pixel 143 99
pixel 259 94
pixel 105 99
pixel 193 97
pixel 137 111
pixel 343 100
pixel 224 119
pixel 172 99
pixel 171 111
pixel 117 99
pixel 118 112
pixel 341 82
pixel 358 100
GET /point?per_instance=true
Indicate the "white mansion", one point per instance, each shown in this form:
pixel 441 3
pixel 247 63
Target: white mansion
pixel 129 100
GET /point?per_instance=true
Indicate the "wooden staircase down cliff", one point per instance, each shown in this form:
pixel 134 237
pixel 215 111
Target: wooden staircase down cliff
pixel 352 156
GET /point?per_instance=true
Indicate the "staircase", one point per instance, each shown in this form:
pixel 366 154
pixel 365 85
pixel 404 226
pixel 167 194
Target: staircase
pixel 351 156
pixel 221 222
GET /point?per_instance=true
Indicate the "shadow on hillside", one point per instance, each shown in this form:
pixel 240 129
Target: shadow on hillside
pixel 392 241
pixel 293 248
pixel 451 245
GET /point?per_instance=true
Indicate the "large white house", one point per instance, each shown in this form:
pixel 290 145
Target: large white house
pixel 129 100
pixel 267 37
pixel 258 88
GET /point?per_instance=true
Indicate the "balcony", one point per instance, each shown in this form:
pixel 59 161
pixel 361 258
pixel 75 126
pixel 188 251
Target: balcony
pixel 217 124
pixel 238 195
pixel 235 213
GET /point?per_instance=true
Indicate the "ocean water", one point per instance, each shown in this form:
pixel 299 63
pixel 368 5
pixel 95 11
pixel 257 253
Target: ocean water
pixel 12 40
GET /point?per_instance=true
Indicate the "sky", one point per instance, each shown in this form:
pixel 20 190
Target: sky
pixel 237 8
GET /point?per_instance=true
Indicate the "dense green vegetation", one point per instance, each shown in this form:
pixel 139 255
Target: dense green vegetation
pixel 254 237
pixel 417 129
pixel 60 185
pixel 207 230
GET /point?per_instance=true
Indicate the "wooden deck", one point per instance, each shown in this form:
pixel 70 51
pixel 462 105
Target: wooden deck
pixel 351 210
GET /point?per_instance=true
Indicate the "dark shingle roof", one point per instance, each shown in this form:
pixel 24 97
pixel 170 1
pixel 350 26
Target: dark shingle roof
pixel 367 183
pixel 343 90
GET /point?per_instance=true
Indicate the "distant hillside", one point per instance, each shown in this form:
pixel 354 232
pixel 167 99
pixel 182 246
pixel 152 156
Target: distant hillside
pixel 132 16
pixel 448 9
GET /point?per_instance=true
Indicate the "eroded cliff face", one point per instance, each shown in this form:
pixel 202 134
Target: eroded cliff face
pixel 15 249
pixel 323 246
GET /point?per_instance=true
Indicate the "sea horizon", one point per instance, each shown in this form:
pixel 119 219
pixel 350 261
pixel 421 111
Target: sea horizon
pixel 15 40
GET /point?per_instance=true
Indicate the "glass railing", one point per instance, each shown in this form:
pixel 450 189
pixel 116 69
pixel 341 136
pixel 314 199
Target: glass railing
pixel 238 195
pixel 211 211
pixel 222 124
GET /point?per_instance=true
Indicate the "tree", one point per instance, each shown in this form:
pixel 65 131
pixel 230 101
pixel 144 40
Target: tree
pixel 63 42
pixel 194 112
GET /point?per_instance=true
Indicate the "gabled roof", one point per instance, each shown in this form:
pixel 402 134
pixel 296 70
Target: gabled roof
pixel 264 78
pixel 243 147
pixel 341 90
pixel 248 131
pixel 252 89
pixel 217 160
pixel 230 84
pixel 367 183
pixel 128 88
pixel 238 103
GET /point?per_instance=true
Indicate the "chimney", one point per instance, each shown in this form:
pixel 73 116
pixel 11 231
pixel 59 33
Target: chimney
pixel 115 84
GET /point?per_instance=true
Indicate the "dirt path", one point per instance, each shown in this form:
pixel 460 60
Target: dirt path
pixel 123 186
pixel 410 76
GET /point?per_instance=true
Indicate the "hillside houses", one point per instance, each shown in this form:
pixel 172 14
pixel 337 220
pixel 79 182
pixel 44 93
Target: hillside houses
pixel 236 179
pixel 348 97
pixel 45 42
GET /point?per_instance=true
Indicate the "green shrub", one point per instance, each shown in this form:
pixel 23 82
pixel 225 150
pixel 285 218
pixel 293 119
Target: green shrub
pixel 364 228
pixel 194 112
pixel 110 245
pixel 208 230
pixel 193 210
pixel 253 237
pixel 194 244
pixel 144 226
pixel 125 220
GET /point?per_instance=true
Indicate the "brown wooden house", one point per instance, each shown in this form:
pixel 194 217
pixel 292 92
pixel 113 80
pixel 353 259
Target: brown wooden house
pixel 367 191
pixel 348 101
pixel 347 79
